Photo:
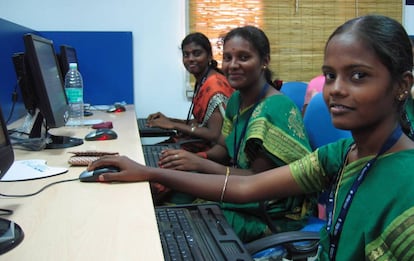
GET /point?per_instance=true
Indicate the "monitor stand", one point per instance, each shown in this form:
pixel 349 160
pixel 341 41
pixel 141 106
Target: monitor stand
pixel 35 124
pixel 11 235
pixel 61 142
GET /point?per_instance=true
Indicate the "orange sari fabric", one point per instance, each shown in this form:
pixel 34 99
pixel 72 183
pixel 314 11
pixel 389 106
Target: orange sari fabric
pixel 216 85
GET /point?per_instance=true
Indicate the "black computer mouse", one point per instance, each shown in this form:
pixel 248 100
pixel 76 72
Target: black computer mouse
pixel 101 134
pixel 117 108
pixel 92 176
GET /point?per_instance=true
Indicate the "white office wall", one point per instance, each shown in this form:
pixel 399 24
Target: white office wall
pixel 158 27
pixel 408 18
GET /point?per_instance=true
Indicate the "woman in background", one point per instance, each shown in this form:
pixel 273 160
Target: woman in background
pixel 315 86
pixel 211 93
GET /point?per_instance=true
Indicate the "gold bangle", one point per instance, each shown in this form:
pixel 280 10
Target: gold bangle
pixel 225 184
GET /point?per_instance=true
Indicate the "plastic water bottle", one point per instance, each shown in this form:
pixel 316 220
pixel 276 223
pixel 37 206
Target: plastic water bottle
pixel 74 93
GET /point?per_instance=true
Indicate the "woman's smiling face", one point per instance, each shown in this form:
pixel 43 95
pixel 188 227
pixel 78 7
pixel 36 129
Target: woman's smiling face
pixel 195 58
pixel 357 87
pixel 241 63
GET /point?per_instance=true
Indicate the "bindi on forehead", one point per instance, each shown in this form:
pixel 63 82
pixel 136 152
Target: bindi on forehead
pixel 238 44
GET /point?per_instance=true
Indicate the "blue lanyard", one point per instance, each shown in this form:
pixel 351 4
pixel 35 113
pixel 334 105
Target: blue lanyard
pixel 337 229
pixel 236 143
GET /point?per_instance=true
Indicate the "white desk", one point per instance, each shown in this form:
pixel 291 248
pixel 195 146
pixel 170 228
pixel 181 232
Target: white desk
pixel 85 221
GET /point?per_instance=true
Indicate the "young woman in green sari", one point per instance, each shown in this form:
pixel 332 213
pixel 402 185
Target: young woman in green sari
pixel 369 178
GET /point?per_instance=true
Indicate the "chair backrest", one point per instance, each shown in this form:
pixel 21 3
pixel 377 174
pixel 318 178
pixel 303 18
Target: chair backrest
pixel 318 124
pixel 295 91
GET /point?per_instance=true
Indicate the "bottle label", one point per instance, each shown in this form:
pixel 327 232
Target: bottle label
pixel 75 95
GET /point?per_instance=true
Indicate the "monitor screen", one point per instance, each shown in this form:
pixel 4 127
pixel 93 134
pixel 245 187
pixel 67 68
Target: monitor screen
pixel 67 55
pixel 6 150
pixel 45 83
pixel 11 234
pixel 47 80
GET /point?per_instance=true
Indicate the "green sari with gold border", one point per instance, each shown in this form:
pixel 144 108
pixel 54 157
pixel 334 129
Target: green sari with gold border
pixel 409 108
pixel 380 221
pixel 275 128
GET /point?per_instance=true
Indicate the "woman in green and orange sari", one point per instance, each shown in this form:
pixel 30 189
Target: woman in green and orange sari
pixel 211 92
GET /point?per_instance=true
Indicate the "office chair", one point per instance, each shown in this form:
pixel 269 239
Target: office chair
pixel 282 245
pixel 318 124
pixel 295 91
pixel 292 245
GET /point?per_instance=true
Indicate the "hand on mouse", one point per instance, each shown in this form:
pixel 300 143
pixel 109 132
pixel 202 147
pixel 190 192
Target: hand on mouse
pixel 129 169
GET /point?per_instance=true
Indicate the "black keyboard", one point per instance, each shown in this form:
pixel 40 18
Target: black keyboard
pixel 142 123
pixel 177 235
pixel 198 232
pixel 152 152
pixel 146 131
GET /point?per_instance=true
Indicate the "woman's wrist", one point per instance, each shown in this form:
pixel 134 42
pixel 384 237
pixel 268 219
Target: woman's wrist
pixel 202 154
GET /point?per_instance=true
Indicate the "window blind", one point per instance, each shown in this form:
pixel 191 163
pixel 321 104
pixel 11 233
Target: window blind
pixel 297 29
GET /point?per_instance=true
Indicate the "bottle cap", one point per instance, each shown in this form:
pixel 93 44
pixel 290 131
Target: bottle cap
pixel 73 65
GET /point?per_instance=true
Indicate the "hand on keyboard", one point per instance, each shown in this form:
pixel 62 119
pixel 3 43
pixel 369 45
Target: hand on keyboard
pixel 180 160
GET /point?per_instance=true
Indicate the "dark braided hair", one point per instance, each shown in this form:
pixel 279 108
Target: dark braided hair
pixel 390 42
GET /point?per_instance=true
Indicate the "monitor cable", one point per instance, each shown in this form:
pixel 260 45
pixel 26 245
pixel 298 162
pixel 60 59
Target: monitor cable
pixel 15 97
pixel 31 144
pixel 37 192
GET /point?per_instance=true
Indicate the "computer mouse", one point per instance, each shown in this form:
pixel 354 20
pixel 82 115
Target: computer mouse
pixel 92 176
pixel 117 108
pixel 87 113
pixel 101 134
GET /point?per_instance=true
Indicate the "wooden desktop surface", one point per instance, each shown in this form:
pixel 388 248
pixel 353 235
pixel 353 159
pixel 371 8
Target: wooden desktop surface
pixel 85 221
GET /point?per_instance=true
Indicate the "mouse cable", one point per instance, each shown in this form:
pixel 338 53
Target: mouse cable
pixel 4 211
pixel 40 190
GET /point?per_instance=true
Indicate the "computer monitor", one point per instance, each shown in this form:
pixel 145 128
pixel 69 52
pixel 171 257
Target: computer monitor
pixel 46 86
pixel 24 80
pixel 67 55
pixel 11 234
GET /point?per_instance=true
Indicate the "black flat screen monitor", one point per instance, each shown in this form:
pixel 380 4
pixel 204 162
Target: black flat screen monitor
pixel 67 55
pixel 24 80
pixel 48 90
pixel 11 234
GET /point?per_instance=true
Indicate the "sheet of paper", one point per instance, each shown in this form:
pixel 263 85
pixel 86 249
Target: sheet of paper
pixel 86 122
pixel 31 169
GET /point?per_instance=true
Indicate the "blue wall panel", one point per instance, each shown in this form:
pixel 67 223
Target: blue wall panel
pixel 11 41
pixel 105 61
